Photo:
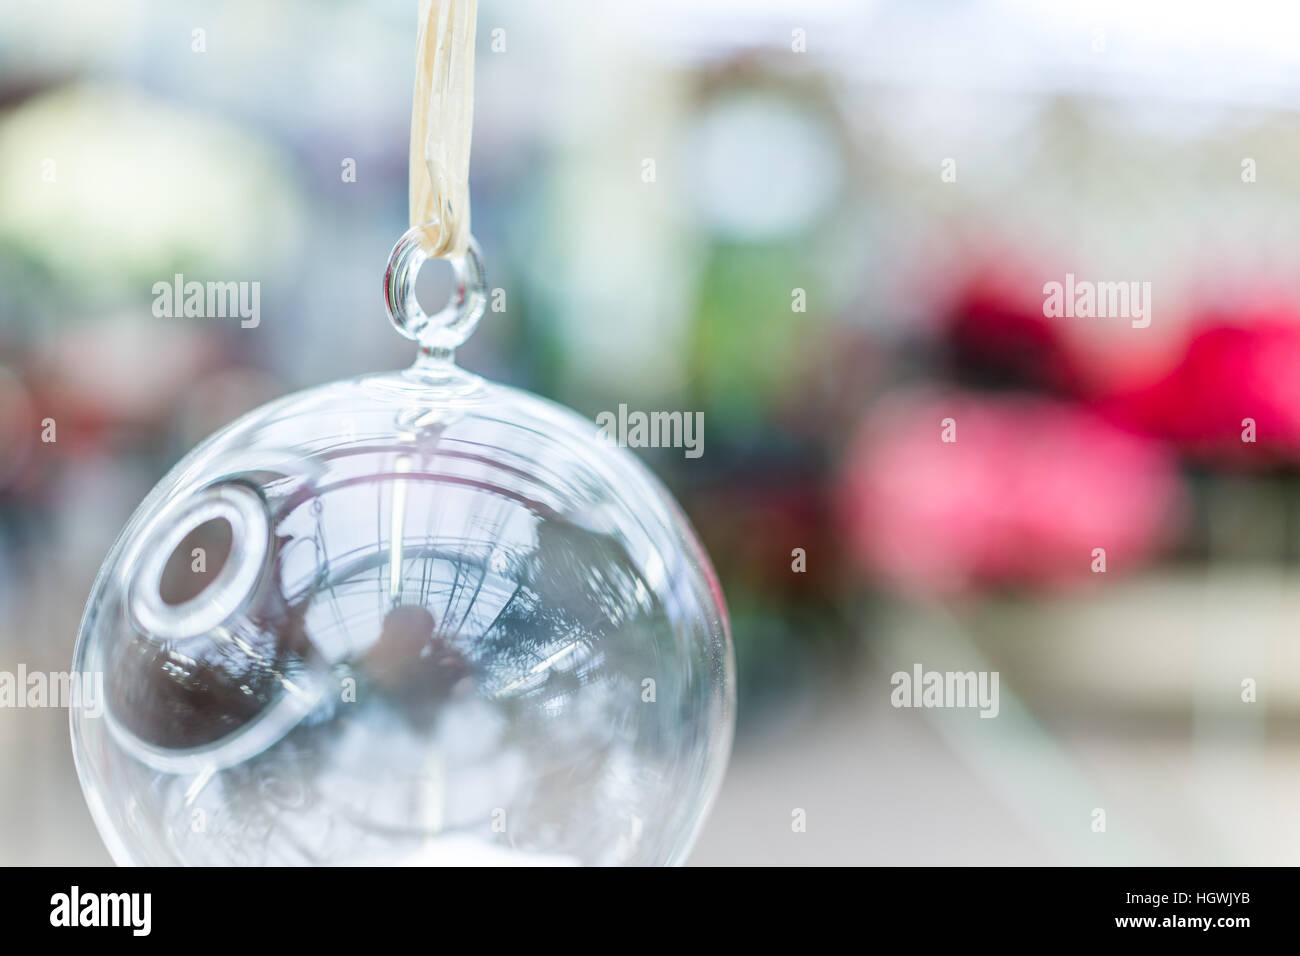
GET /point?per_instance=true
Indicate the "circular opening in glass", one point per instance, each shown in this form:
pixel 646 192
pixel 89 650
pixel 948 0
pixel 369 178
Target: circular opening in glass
pixel 196 562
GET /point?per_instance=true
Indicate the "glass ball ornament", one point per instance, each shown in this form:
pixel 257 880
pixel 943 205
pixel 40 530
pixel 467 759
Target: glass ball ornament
pixel 411 618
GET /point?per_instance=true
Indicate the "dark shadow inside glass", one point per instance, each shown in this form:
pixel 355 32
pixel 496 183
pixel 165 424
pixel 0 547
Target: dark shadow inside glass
pixel 196 562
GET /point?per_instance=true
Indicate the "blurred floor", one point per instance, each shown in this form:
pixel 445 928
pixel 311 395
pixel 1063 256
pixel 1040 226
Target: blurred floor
pixel 1195 785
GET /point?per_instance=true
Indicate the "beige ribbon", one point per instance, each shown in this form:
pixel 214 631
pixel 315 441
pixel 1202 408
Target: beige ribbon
pixel 442 119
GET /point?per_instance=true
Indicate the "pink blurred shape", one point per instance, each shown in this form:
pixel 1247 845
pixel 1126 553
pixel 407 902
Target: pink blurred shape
pixel 1023 496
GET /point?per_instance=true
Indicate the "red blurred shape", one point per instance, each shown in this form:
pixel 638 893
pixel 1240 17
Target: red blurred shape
pixel 997 334
pixel 1230 372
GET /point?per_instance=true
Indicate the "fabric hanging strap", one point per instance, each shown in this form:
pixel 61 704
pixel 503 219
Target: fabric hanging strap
pixel 442 120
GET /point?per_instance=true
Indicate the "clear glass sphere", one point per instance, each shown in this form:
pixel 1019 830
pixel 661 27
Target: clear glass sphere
pixel 410 618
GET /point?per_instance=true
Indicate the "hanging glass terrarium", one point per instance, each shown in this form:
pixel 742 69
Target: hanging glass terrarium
pixel 414 617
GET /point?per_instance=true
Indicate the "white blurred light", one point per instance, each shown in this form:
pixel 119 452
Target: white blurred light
pixel 762 167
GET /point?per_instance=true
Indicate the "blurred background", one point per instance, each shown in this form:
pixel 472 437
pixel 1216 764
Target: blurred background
pixel 911 174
